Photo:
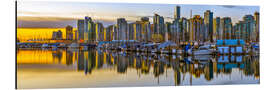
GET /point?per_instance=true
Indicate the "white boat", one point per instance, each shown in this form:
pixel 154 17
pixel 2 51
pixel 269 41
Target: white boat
pixel 203 57
pixel 256 49
pixel 173 50
pixel 203 50
pixel 74 45
pixel 179 51
pixel 163 51
pixel 45 45
pixel 137 49
pixel 154 51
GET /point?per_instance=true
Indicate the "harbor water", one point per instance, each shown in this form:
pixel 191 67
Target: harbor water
pixel 72 68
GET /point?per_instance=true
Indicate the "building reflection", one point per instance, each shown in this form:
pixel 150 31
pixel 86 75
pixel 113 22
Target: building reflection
pixel 143 63
pixel 57 55
pixel 92 60
pixel 69 57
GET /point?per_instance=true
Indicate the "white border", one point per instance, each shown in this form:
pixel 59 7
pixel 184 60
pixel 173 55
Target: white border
pixel 7 53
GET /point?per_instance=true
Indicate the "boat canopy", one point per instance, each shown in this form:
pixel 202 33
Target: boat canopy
pixel 148 45
pixel 123 41
pixel 231 42
pixel 205 47
pixel 166 44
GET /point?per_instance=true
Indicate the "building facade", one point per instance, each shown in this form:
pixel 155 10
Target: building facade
pixel 208 21
pixel 57 35
pixel 69 32
pixel 80 28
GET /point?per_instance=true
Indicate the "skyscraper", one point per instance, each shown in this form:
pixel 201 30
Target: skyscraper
pixel 57 35
pixel 177 12
pixel 257 20
pixel 76 35
pixel 109 33
pixel 250 28
pixel 115 32
pixel 122 29
pixel 131 31
pixel 89 30
pixel 237 31
pixel 146 29
pixel 134 31
pixel 87 20
pixel 196 31
pixel 169 31
pixel 242 29
pixel 216 29
pixel 80 28
pixel 69 32
pixel 158 23
pixel 175 29
pixel 156 20
pixel 226 27
pixel 158 33
pixel 99 31
pixel 176 26
pixel 208 21
pixel 184 29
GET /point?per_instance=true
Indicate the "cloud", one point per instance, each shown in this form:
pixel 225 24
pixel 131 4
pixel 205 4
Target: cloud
pixel 44 22
pixel 53 22
pixel 37 19
pixel 62 21
pixel 228 6
pixel 28 13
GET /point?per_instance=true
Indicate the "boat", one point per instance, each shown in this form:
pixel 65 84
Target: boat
pixel 164 51
pixel 45 45
pixel 74 45
pixel 202 50
pixel 180 51
pixel 203 57
pixel 231 46
pixel 256 49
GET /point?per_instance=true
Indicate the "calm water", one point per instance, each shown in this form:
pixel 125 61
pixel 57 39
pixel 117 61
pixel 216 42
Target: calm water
pixel 95 68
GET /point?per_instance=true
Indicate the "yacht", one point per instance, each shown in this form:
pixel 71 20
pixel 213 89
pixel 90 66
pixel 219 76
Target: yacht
pixel 202 50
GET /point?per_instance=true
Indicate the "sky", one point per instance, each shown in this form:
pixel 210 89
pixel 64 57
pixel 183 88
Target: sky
pixel 46 14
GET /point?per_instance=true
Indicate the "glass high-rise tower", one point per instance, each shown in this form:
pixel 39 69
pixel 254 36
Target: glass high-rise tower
pixel 177 12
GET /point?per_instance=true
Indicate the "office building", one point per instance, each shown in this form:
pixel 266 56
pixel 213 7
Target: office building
pixel 69 32
pixel 122 29
pixel 208 22
pixel 57 35
pixel 80 28
pixel 177 12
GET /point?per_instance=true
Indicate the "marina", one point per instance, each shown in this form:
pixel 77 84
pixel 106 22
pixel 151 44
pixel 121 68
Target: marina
pixel 225 47
pixel 85 45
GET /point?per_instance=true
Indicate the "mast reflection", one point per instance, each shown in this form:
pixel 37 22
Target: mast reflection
pixel 194 67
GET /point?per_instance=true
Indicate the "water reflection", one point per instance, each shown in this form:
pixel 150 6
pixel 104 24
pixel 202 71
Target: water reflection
pixel 184 69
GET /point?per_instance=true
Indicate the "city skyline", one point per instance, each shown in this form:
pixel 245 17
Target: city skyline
pixel 136 44
pixel 29 13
